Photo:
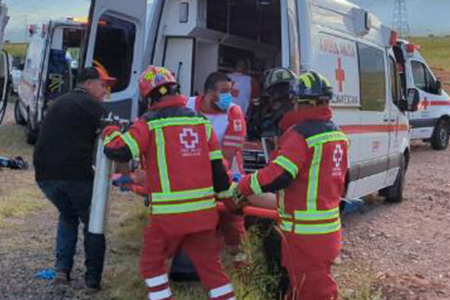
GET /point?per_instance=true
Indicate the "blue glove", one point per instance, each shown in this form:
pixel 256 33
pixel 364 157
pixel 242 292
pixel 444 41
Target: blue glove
pixel 120 182
pixel 125 179
pixel 237 177
pixel 48 274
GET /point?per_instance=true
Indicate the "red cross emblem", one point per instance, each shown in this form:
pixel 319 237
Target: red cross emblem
pixel 189 138
pixel 340 75
pixel 338 156
pixel 425 103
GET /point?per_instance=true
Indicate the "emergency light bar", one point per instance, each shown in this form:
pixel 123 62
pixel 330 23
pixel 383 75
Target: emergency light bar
pixel 412 48
pixel 84 21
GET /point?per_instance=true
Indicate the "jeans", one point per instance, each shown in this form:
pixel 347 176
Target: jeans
pixel 73 201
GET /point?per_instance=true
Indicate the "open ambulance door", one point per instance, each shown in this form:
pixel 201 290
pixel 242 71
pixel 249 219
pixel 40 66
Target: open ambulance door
pixel 179 58
pixel 4 82
pixel 115 42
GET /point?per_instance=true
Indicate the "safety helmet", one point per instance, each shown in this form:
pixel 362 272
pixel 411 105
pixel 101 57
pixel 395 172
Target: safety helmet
pixel 311 87
pixel 155 77
pixel 277 77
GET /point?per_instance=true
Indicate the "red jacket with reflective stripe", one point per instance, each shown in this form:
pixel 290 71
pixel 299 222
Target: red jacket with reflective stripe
pixel 291 165
pixel 183 165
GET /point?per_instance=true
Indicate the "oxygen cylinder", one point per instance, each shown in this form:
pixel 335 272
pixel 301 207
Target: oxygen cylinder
pixel 100 195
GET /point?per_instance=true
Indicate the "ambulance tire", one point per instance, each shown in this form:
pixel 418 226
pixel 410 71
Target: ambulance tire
pixel 32 133
pixel 394 193
pixel 18 117
pixel 440 138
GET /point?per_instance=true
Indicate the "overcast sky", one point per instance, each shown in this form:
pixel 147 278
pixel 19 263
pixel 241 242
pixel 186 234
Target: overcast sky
pixel 425 16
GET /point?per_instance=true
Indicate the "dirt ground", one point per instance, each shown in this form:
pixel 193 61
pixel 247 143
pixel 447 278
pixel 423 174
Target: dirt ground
pixel 406 245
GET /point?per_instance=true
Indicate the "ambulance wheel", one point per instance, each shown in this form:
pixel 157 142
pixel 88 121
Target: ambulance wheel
pixel 439 140
pixel 20 120
pixel 394 193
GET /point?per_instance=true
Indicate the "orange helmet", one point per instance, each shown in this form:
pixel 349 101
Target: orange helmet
pixel 155 77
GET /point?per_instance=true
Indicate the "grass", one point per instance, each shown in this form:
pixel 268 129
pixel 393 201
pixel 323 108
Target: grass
pixel 19 194
pixel 435 51
pixel 357 281
pixel 16 49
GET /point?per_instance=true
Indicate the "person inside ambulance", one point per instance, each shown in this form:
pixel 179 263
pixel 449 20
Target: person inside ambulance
pixel 184 177
pixel 245 87
pixel 307 171
pixel 229 124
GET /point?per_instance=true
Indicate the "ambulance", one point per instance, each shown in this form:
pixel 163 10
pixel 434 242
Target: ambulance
pixel 334 37
pixel 50 69
pixel 5 64
pixel 431 122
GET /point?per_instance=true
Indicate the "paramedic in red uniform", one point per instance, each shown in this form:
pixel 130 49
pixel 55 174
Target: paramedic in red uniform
pixel 184 172
pixel 228 122
pixel 308 173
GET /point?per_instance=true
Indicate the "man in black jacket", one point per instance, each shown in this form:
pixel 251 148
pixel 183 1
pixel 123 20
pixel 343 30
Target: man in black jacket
pixel 63 160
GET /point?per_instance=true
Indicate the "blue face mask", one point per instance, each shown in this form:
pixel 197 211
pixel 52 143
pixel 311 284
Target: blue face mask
pixel 225 100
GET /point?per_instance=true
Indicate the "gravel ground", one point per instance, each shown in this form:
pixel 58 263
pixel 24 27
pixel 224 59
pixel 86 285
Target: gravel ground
pixel 406 244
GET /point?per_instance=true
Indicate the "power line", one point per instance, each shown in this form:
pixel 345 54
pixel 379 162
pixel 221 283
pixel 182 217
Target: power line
pixel 400 19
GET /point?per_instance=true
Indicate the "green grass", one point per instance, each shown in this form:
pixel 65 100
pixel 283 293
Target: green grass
pixel 122 280
pixel 19 194
pixel 16 49
pixel 435 50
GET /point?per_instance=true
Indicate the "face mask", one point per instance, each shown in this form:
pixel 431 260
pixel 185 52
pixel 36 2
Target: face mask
pixel 224 102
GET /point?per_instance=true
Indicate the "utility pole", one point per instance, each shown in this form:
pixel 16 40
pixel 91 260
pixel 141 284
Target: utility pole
pixel 400 19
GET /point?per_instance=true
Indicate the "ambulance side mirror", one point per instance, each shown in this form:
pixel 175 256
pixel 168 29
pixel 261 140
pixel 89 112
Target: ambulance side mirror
pixel 412 100
pixel 438 87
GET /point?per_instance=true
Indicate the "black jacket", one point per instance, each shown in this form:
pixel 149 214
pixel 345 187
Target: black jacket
pixel 65 147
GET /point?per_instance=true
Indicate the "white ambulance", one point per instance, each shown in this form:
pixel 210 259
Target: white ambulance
pixel 50 70
pixel 431 122
pixel 5 64
pixel 338 39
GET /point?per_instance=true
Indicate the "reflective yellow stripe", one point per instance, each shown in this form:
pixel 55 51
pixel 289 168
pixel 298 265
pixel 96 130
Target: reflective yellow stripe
pixel 286 225
pixel 254 184
pixel 287 164
pixel 176 122
pixel 228 193
pixel 317 215
pixel 334 136
pixel 311 229
pixel 209 129
pixel 132 144
pixel 111 137
pixel 183 195
pixel 166 209
pixel 307 80
pixel 214 155
pixel 162 163
pixel 313 179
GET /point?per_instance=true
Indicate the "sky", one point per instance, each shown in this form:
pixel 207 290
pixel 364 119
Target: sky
pixel 425 16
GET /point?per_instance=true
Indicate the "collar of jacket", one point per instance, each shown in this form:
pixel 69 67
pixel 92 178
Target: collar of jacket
pixel 319 113
pixel 79 89
pixel 170 101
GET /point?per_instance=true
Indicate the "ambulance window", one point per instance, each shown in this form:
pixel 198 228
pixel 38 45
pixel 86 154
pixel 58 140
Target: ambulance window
pixel 395 82
pixel 114 49
pixel 422 77
pixel 372 78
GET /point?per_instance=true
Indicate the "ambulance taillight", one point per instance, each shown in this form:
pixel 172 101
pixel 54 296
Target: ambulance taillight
pixel 393 38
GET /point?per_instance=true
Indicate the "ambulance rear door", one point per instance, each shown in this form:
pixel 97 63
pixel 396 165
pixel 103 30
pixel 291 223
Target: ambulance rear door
pixel 115 43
